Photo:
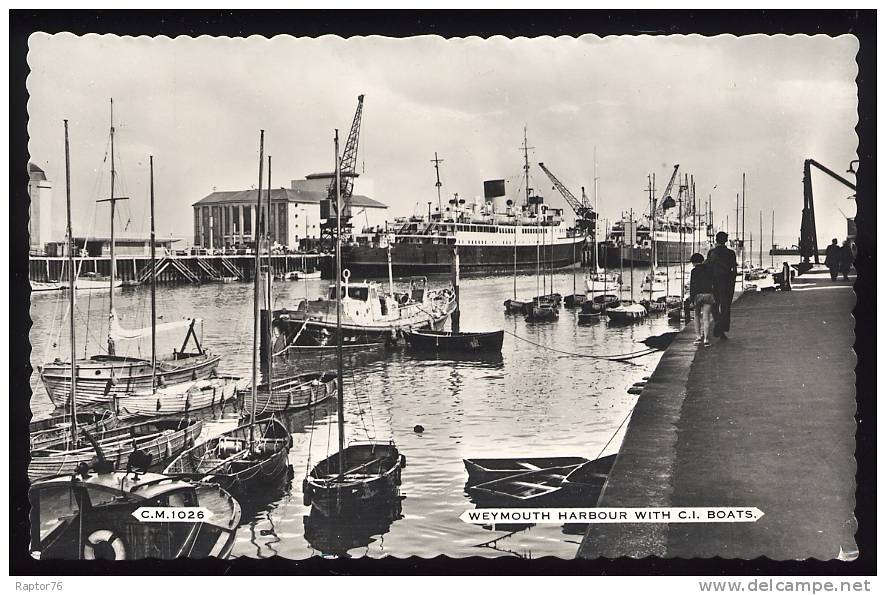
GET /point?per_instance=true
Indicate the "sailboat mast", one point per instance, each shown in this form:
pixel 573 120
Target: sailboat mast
pixel 772 241
pixel 632 260
pixel 651 239
pixel 338 297
pixel 761 239
pixel 71 290
pixel 153 287
pixel 113 210
pixel 270 350
pixel 516 230
pixel 256 286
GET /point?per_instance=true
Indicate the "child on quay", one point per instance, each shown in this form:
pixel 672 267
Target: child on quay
pixel 701 292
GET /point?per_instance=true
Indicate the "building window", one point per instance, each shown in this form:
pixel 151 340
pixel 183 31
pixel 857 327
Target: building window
pixel 247 220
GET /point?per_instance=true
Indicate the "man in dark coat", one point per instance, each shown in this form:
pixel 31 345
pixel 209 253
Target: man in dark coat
pixel 832 258
pixel 723 262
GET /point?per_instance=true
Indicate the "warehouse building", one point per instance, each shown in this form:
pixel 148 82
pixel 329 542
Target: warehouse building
pixel 40 209
pixel 227 219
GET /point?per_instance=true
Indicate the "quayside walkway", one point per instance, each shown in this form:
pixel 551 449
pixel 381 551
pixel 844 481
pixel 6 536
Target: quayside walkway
pixel 764 419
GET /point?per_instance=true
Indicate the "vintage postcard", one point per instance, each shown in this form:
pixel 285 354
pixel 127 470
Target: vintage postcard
pixel 583 297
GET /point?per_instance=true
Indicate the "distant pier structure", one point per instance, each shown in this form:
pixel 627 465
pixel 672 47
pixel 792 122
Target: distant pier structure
pixel 171 268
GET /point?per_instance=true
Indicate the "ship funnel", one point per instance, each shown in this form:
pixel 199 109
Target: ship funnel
pixel 494 192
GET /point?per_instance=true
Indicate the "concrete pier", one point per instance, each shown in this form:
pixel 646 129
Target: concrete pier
pixel 764 419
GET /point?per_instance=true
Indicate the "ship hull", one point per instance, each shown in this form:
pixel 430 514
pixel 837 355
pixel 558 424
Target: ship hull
pixel 436 259
pixel 666 253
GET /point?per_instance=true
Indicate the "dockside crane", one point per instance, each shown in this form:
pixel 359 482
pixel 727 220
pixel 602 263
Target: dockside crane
pixel 667 201
pixel 347 169
pixel 808 235
pixel 585 215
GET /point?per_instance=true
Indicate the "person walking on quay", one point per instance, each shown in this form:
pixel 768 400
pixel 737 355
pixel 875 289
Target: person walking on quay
pixel 846 259
pixel 701 293
pixel 724 265
pixel 832 259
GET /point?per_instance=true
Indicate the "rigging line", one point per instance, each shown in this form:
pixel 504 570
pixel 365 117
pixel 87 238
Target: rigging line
pixel 614 434
pixel 612 358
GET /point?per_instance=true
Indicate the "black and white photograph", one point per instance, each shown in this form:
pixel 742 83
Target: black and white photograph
pixel 309 296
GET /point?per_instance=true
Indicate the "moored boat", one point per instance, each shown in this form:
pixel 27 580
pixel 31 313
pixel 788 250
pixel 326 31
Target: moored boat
pixel 160 439
pixel 57 429
pixel 361 474
pixel 528 489
pixel 92 517
pixel 449 342
pixel 292 393
pixel 240 460
pixel 481 470
pixel 627 311
pixel 178 398
pixel 543 312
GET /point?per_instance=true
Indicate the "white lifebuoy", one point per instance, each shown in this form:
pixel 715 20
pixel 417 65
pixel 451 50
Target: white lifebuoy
pixel 97 538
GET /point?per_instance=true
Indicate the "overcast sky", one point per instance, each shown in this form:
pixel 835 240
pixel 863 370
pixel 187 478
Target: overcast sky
pixel 717 106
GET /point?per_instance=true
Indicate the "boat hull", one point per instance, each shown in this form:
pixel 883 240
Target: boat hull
pixel 178 399
pixel 101 378
pixel 228 459
pixel 372 475
pixel 483 470
pixel 57 429
pixel 436 259
pixel 291 394
pixel 162 440
pixel 448 342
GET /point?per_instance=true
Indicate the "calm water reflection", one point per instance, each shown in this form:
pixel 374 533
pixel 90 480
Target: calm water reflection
pixel 528 401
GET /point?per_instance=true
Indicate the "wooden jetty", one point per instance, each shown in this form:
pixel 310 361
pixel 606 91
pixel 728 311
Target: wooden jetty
pixel 171 269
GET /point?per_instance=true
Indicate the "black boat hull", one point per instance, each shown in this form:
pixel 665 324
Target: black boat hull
pixel 447 342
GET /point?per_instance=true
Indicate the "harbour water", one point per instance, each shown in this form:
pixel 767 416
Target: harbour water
pixel 538 398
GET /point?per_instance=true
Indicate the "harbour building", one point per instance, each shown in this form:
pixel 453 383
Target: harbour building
pixel 40 209
pixel 226 219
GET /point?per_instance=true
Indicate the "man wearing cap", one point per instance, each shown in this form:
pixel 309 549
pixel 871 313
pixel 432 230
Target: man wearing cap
pixel 723 262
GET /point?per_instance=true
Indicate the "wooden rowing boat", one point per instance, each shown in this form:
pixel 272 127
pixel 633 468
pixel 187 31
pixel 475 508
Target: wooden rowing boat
pixel 531 488
pixel 459 342
pixel 161 439
pixel 56 429
pixel 483 470
pixel 241 460
pixel 178 398
pixel 363 474
pixel 292 393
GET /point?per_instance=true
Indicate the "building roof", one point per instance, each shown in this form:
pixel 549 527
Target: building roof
pixel 35 173
pixel 294 195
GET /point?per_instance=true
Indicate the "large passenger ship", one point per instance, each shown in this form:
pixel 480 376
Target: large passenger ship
pixel 674 242
pixel 493 235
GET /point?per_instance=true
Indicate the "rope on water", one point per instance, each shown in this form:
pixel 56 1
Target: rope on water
pixel 621 358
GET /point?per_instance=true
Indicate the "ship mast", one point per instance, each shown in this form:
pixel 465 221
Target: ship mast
pixel 437 161
pixel 71 290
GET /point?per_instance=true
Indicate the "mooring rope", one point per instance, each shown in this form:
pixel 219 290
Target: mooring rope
pixel 621 358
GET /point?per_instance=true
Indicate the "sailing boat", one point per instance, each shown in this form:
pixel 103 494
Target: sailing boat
pixel 362 473
pixel 253 454
pixel 293 392
pixel 514 305
pixel 157 440
pixel 182 397
pixel 105 375
pixel 627 310
pixel 599 279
